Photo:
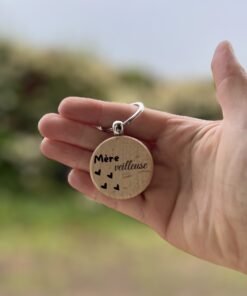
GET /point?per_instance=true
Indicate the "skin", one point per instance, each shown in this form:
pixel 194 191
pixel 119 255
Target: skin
pixel 197 199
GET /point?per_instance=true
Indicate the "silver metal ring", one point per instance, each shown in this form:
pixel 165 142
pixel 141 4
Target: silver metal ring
pixel 112 129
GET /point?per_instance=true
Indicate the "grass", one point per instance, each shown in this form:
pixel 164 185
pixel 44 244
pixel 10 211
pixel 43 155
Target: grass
pixel 73 247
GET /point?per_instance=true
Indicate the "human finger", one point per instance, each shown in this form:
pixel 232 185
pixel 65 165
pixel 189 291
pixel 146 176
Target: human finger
pixel 56 127
pixel 99 113
pixel 66 154
pixel 231 84
pixel 134 207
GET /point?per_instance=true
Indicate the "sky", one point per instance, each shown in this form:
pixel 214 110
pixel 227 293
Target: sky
pixel 174 39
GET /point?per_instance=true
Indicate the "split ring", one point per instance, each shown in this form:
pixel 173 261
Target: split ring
pixel 118 126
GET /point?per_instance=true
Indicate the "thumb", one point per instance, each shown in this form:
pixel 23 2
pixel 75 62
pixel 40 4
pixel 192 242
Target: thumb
pixel 231 84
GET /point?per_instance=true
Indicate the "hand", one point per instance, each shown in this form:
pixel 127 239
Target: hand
pixel 197 199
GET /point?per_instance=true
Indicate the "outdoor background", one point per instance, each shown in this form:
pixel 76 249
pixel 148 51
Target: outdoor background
pixel 54 241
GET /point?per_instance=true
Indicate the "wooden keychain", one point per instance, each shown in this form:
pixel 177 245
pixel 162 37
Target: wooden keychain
pixel 121 167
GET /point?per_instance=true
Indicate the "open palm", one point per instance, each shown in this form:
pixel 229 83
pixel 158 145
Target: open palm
pixel 197 199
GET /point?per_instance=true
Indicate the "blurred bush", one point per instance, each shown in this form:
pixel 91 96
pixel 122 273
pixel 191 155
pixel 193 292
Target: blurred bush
pixel 33 82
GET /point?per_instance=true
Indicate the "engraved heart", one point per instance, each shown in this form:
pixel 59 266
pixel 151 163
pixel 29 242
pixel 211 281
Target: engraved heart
pixel 98 172
pixel 116 187
pixel 104 186
pixel 110 175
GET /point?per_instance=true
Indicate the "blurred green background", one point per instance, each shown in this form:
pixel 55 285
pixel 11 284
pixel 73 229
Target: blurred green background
pixel 54 241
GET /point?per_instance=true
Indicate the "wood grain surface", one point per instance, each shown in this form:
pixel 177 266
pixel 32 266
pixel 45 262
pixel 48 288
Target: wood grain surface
pixel 121 167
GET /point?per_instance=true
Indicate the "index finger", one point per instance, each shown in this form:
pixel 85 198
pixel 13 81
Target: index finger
pixel 100 113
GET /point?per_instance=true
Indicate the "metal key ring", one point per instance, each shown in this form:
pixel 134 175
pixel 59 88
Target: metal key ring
pixel 118 126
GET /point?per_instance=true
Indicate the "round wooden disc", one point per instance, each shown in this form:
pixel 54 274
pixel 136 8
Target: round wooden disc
pixel 121 167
